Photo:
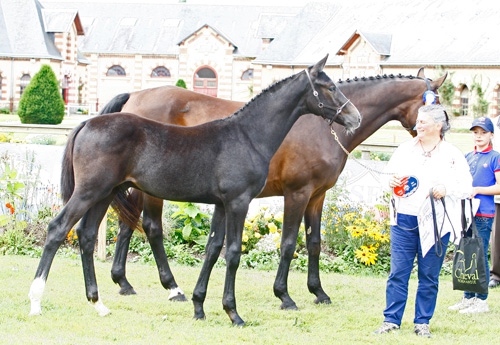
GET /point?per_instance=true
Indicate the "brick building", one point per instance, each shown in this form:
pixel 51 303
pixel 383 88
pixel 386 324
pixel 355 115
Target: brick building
pixel 100 49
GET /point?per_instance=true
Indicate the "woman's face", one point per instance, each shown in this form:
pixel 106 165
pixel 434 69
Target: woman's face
pixel 426 127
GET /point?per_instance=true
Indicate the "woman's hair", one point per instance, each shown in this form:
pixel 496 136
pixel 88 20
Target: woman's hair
pixel 439 115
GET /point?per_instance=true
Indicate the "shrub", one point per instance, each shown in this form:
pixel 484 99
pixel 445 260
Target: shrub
pixel 41 102
pixel 181 83
pixel 4 111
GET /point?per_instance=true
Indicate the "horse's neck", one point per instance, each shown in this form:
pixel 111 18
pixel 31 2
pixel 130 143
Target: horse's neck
pixel 377 108
pixel 268 118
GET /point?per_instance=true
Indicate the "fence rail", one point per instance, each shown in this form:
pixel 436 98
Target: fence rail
pixel 365 147
pixel 35 129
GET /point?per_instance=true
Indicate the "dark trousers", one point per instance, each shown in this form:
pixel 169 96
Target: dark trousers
pixel 495 246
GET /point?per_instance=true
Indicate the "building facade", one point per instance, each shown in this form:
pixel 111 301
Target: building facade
pixel 99 50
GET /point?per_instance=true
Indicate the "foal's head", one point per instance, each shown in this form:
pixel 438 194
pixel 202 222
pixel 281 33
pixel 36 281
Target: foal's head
pixel 327 100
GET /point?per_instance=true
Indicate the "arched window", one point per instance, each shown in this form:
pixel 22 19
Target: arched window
pixel 464 100
pixel 205 81
pixel 116 71
pixel 25 80
pixel 160 72
pixel 247 75
pixel 205 73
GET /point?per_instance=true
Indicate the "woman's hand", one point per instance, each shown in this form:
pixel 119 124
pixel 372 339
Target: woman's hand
pixel 395 181
pixel 439 191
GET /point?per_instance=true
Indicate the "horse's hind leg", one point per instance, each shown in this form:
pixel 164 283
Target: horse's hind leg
pixel 87 235
pixel 57 231
pixel 312 218
pixel 295 204
pixel 151 223
pixel 212 251
pixel 118 271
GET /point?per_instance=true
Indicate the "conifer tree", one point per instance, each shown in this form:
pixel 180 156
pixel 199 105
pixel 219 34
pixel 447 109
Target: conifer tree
pixel 41 102
pixel 181 83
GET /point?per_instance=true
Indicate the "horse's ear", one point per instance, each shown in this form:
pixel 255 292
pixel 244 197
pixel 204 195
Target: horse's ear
pixel 421 73
pixel 318 67
pixel 439 81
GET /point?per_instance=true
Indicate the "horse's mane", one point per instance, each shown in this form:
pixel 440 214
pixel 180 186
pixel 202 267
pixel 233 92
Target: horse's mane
pixel 263 93
pixel 385 76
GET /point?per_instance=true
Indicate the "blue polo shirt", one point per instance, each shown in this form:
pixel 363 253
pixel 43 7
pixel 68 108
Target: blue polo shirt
pixel 483 166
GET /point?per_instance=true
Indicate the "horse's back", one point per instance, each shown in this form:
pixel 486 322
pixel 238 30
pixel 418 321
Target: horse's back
pixel 175 105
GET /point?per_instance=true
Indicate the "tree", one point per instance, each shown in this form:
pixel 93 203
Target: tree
pixel 181 83
pixel 41 102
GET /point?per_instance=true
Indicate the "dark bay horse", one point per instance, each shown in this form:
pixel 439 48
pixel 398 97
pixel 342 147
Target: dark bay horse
pixel 306 165
pixel 223 162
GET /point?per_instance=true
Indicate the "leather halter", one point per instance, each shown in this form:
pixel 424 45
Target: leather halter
pixel 321 105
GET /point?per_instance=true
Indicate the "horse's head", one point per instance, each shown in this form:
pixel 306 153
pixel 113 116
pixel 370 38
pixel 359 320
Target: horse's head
pixel 427 95
pixel 326 99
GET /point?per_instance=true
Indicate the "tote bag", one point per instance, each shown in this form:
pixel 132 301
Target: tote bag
pixel 469 268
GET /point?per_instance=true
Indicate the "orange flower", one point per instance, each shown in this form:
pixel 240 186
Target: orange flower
pixel 10 207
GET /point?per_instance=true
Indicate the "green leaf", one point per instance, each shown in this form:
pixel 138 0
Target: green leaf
pixel 186 232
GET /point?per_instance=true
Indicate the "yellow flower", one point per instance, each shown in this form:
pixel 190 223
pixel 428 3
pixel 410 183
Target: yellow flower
pixel 257 235
pixel 279 217
pixel 372 248
pixel 357 233
pixel 366 257
pixel 383 238
pixel 244 238
pixel 272 227
pixel 243 247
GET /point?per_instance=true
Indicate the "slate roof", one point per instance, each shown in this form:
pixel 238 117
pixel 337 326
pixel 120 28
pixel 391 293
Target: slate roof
pixel 431 32
pixel 26 29
pixel 151 28
pixel 407 32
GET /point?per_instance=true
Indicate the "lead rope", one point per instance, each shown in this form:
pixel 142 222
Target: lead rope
pixel 349 155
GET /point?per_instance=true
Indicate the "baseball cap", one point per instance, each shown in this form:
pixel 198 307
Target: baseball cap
pixel 483 122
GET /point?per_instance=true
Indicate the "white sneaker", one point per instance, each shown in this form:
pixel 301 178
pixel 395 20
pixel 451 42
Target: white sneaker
pixel 463 304
pixel 479 306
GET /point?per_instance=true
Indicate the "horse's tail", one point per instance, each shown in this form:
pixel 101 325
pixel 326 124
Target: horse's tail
pixel 67 171
pixel 116 104
pixel 128 205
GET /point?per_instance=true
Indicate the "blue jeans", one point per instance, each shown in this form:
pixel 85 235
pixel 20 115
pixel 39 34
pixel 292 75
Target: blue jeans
pixel 405 246
pixel 483 225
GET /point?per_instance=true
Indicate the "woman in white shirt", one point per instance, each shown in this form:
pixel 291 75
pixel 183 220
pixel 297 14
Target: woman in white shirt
pixel 425 162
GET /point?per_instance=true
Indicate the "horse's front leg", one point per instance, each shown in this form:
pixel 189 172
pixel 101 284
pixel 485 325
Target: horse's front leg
pixel 312 219
pixel 57 231
pixel 152 225
pixel 118 270
pixel 87 235
pixel 295 205
pixel 235 219
pixel 212 252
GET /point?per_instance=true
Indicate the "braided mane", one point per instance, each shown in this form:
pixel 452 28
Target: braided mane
pixel 385 76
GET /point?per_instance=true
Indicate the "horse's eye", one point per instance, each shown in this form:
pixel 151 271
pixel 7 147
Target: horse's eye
pixel 332 88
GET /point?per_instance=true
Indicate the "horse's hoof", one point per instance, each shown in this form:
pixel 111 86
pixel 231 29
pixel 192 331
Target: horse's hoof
pixel 326 300
pixel 199 316
pixel 35 313
pixel 178 298
pixel 127 291
pixel 177 295
pixel 238 322
pixel 289 306
pixel 102 310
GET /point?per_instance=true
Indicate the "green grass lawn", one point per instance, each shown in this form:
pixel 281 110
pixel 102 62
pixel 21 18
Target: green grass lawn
pixel 148 318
